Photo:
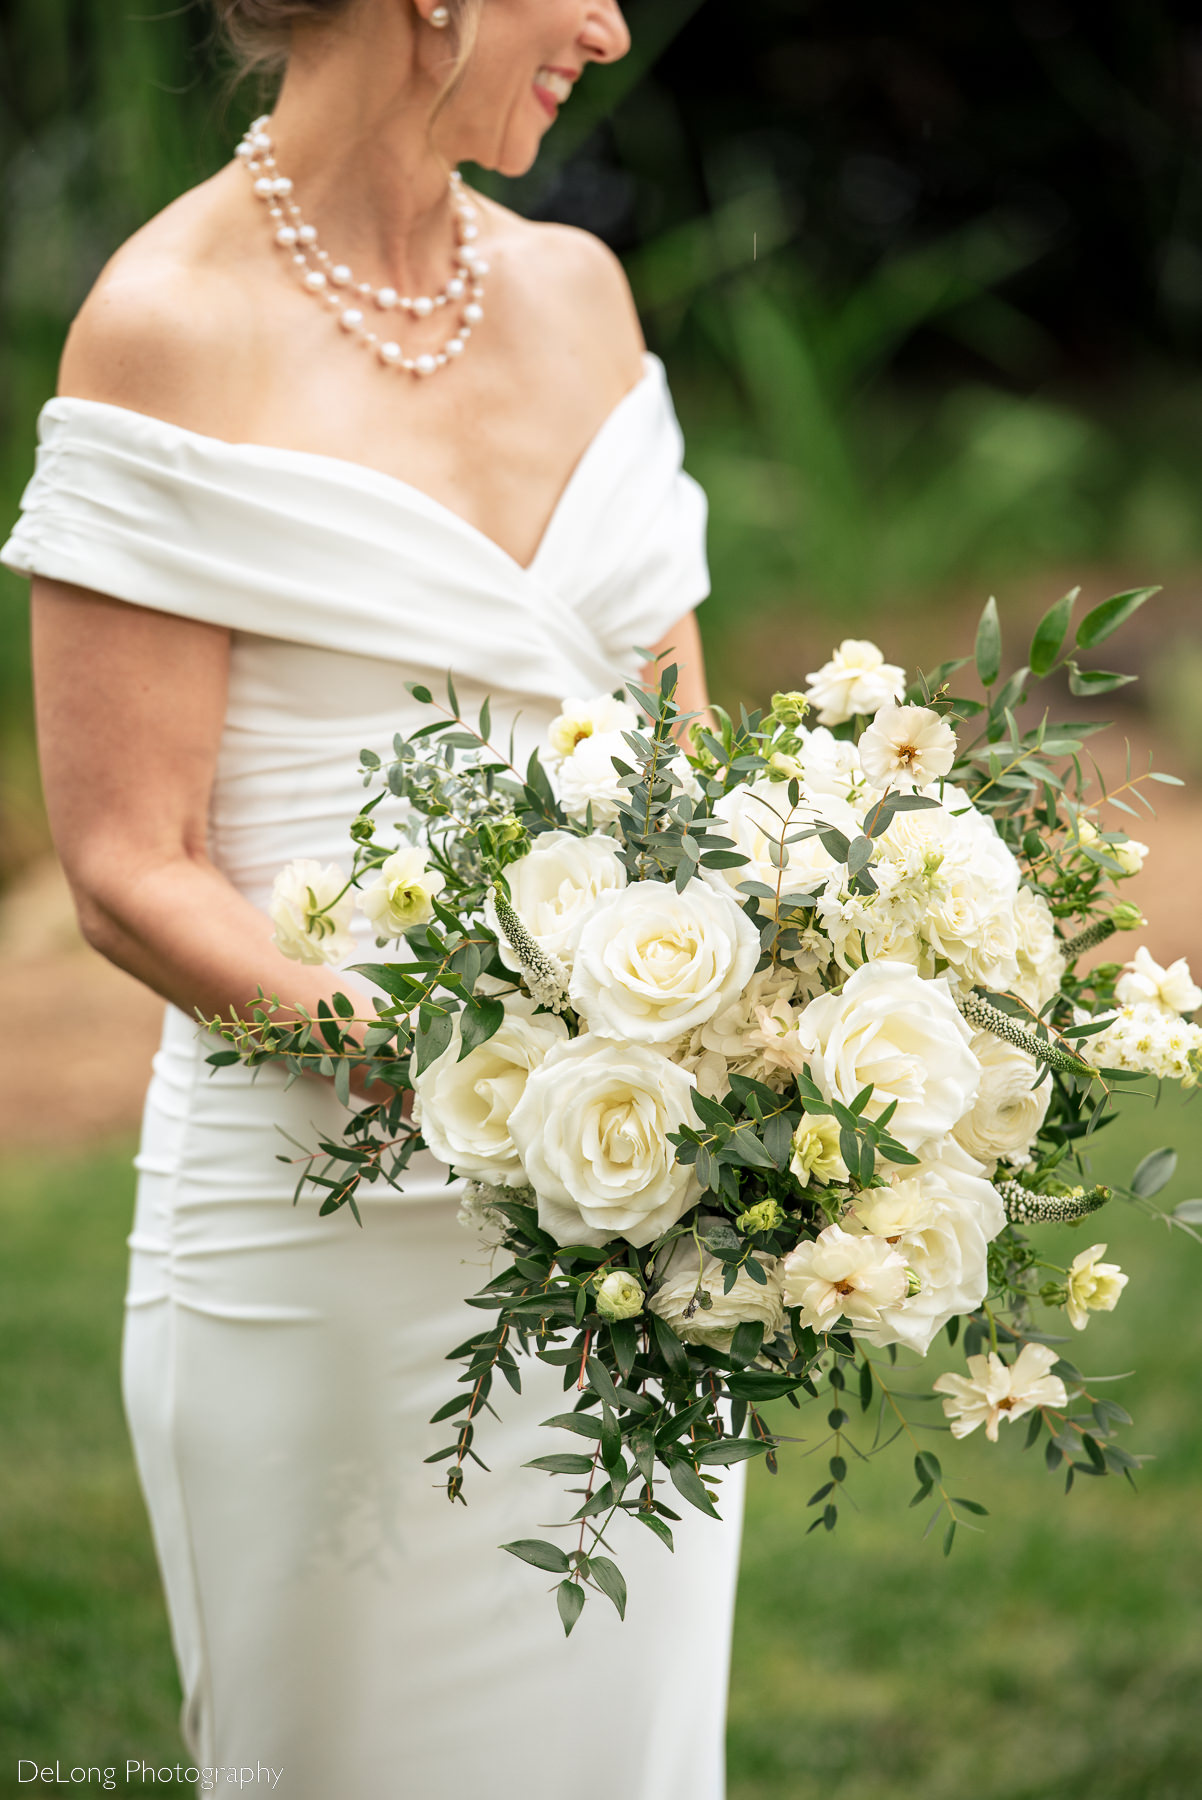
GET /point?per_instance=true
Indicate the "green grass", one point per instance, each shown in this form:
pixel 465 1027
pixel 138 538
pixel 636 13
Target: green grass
pixel 1058 1653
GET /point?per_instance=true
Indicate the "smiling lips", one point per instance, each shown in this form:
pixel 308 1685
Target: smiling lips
pixel 553 86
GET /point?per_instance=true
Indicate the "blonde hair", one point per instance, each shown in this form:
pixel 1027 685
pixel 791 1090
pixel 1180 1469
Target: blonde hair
pixel 260 32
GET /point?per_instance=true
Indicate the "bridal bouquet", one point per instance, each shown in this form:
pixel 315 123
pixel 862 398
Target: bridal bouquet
pixel 764 1049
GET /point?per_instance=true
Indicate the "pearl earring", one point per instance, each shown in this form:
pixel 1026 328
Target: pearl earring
pixel 440 18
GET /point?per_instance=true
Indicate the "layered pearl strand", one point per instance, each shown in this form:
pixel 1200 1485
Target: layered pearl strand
pixel 334 283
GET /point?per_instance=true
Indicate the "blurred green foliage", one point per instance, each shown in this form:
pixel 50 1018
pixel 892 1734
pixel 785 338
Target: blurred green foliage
pixel 1056 1653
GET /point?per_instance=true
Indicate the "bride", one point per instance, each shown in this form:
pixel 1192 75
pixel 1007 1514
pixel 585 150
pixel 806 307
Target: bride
pixel 331 423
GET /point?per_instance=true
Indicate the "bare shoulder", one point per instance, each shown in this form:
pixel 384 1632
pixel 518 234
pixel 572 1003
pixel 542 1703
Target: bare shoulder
pixel 573 272
pixel 155 330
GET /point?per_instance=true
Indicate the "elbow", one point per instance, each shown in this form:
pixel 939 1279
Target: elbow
pixel 98 925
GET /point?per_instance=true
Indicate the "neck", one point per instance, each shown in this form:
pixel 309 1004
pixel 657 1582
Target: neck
pixel 352 128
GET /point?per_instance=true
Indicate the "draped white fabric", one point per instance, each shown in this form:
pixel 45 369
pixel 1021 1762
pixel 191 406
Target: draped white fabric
pixel 332 1614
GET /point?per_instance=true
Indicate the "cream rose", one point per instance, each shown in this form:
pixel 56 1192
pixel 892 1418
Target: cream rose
pixel 401 897
pixel 592 1130
pixel 758 815
pixel 464 1106
pixel 1093 1285
pixel 1009 1109
pixel 651 963
pixel 311 912
pixel 553 888
pixel 903 1035
pixel 674 1299
pixel 857 679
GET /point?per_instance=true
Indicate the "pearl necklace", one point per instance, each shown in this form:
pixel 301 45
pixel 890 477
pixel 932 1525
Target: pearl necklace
pixel 335 285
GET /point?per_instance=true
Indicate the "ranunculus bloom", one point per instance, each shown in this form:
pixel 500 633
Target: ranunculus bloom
pixel 464 1107
pixel 400 899
pixel 904 1036
pixel 552 889
pixel 841 1275
pixel 1129 855
pixel 1009 1109
pixel 907 746
pixel 581 719
pixel 995 1390
pixel 592 1132
pixel 714 1325
pixel 758 815
pixel 1144 982
pixel 857 679
pixel 619 1296
pixel 652 964
pixel 311 914
pixel 1093 1286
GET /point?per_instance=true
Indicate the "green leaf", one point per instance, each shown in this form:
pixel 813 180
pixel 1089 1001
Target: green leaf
pixel 480 1019
pixel 565 1464
pixel 584 1424
pixel 1049 633
pixel 430 1041
pixel 670 1346
pixel 569 1597
pixel 609 1579
pixel 688 1484
pixel 732 1450
pixel 540 1553
pixel 662 1530
pixel 748 1337
pixel 988 649
pixel 859 855
pixel 1190 1211
pixel 1154 1172
pixel 624 1338
pixel 751 1385
pixel 1095 681
pixel 1112 613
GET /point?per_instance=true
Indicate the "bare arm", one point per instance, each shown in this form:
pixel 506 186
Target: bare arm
pixel 130 705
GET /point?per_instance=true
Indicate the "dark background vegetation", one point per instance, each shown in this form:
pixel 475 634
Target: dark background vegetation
pixel 928 281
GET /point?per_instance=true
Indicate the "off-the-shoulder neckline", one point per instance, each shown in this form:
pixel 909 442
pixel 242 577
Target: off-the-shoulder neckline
pixel 346 469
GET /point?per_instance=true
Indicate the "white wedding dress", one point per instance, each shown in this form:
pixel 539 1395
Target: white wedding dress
pixel 332 1613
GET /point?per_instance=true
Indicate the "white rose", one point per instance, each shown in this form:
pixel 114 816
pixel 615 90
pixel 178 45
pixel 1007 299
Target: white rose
pixel 1041 962
pixel 758 815
pixel 1093 1286
pixel 941 1220
pixel 1144 982
pixel 840 1275
pixel 1009 1109
pixel 1129 855
pixel 592 1132
pixel 311 913
pixel 994 1390
pixel 907 746
pixel 552 889
pixel 857 679
pixel 674 1299
pixel 651 963
pixel 581 719
pixel 401 898
pixel 903 1035
pixel 464 1106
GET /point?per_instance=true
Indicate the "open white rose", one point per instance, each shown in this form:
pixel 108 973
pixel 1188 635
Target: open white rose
pixel 907 746
pixel 464 1106
pixel 685 1272
pixel 842 1275
pixel 592 1132
pixel 311 913
pixel 1093 1285
pixel 581 719
pixel 758 815
pixel 400 898
pixel 651 963
pixel 941 1220
pixel 1144 982
pixel 994 1390
pixel 552 889
pixel 857 679
pixel 903 1035
pixel 1009 1109
pixel 1040 959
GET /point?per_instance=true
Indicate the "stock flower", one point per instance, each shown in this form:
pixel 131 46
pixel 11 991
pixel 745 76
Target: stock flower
pixel 619 1295
pixel 857 679
pixel 311 914
pixel 651 963
pixel 1040 959
pixel 750 1035
pixel 552 889
pixel 996 1390
pixel 758 819
pixel 401 898
pixel 839 1275
pixel 592 1130
pixel 464 1105
pixel 1144 982
pixel 903 1036
pixel 815 1153
pixel 1147 1039
pixel 581 719
pixel 1093 1286
pixel 907 744
pixel 1009 1109
pixel 674 1299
